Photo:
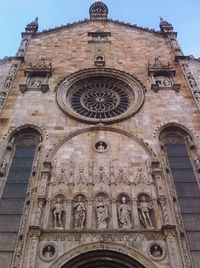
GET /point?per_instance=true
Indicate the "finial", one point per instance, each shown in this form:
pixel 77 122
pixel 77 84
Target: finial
pixel 98 11
pixel 33 26
pixel 165 26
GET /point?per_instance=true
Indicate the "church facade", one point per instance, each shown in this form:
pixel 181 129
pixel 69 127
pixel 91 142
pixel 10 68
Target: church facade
pixel 99 148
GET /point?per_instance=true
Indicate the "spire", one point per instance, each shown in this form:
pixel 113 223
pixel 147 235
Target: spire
pixel 98 11
pixel 32 27
pixel 165 26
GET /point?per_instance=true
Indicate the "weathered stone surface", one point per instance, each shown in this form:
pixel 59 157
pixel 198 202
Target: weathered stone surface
pixel 96 165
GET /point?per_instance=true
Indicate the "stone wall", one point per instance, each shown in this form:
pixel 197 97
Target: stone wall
pixel 67 163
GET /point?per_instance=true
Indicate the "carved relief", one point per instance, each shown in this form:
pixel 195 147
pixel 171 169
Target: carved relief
pixel 37 77
pixel 81 179
pixel 48 252
pixel 3 168
pixel 162 76
pixel 122 178
pixel 156 251
pixel 101 176
pixel 41 203
pixel 99 59
pixel 191 81
pixel 101 146
pixel 197 163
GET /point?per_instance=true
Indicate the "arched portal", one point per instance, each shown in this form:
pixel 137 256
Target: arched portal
pixel 102 259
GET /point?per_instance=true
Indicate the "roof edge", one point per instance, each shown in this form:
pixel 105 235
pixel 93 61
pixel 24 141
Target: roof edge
pixel 122 23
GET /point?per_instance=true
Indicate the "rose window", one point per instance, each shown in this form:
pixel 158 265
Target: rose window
pixel 100 98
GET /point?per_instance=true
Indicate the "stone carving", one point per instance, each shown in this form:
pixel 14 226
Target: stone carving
pixel 101 100
pixel 62 177
pixel 163 81
pixel 11 76
pixel 101 146
pixel 144 209
pixel 163 203
pixel 81 179
pixel 141 179
pixel 124 214
pixel 35 82
pixel 156 252
pixel 99 59
pixel 37 77
pixel 197 163
pixel 79 214
pixel 2 98
pixel 3 168
pixel 39 211
pixel 101 176
pixel 101 213
pixel 192 82
pixel 48 252
pixel 122 178
pixel 11 143
pixel 57 214
pixel 190 142
pixel 162 76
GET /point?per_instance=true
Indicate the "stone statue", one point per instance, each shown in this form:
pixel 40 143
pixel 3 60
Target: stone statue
pixel 144 212
pixel 197 163
pixel 190 142
pixel 197 95
pixel 3 168
pixel 8 82
pixel 101 213
pixel 124 214
pixel 100 147
pixel 2 98
pixel 10 143
pixel 79 214
pixel 57 214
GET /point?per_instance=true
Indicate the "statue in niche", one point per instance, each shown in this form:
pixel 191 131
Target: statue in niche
pixel 3 168
pixel 124 214
pixel 79 214
pixel 57 214
pixel 192 82
pixel 101 213
pixel 197 163
pixel 197 95
pixel 156 251
pixel 2 98
pixel 8 82
pixel 144 212
pixel 157 63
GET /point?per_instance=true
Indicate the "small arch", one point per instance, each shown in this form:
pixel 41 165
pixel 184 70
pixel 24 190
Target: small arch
pixel 174 125
pixel 13 131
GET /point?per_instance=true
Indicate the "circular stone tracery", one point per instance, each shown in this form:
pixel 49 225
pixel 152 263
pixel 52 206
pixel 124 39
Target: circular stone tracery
pixel 100 98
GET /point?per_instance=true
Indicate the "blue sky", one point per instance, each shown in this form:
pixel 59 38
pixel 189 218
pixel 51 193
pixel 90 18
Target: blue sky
pixel 183 14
